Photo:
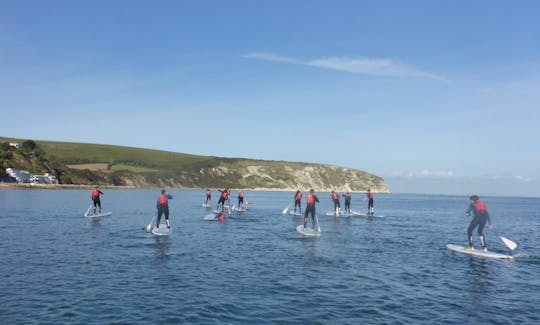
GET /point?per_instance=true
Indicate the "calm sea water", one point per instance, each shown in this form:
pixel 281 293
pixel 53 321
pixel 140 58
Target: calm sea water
pixel 254 268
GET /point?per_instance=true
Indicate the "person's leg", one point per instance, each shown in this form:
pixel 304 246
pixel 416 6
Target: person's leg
pixel 166 212
pixel 481 225
pixel 472 225
pixel 160 212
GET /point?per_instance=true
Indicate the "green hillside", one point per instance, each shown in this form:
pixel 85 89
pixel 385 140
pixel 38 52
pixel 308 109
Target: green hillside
pixel 84 163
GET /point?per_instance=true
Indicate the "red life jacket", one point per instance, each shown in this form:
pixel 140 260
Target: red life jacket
pixel 95 194
pixel 310 199
pixel 208 193
pixel 162 199
pixel 370 195
pixel 241 195
pixel 335 196
pixel 298 196
pixel 224 194
pixel 480 206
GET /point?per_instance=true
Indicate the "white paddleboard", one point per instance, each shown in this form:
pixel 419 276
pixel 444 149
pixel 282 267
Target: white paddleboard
pixel 87 215
pixel 204 205
pixel 161 231
pixel 478 252
pixel 333 213
pixel 210 217
pixel 360 214
pixel 307 231
pixel 292 213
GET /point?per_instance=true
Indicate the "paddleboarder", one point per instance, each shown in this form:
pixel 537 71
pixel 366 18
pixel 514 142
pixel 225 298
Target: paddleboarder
pixel 337 206
pixel 347 197
pixel 96 200
pixel 478 209
pixel 240 199
pixel 370 197
pixel 163 208
pixel 208 196
pixel 222 199
pixel 310 207
pixel 298 201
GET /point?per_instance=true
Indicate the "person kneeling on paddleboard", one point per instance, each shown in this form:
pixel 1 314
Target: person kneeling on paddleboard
pixel 163 208
pixel 480 216
pixel 310 207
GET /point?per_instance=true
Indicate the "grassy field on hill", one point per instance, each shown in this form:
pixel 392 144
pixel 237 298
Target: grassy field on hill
pixel 85 163
pixel 119 157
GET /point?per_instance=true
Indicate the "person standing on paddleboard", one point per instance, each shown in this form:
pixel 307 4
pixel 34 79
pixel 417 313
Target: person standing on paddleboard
pixel 347 197
pixel 310 207
pixel 163 208
pixel 298 201
pixel 208 196
pixel 480 217
pixel 240 199
pixel 95 199
pixel 370 197
pixel 337 206
pixel 222 199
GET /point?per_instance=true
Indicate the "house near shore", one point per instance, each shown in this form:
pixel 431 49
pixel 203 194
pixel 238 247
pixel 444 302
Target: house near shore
pixel 23 176
pixel 15 145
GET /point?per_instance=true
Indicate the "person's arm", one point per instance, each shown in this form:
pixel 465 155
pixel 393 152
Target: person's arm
pixel 471 207
pixel 169 196
pixel 489 221
pixel 100 192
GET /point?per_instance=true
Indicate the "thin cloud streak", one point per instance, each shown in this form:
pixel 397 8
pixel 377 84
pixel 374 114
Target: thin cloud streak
pixel 270 57
pixel 364 66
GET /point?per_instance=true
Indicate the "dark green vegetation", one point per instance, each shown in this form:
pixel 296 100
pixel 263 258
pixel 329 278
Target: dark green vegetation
pixel 82 163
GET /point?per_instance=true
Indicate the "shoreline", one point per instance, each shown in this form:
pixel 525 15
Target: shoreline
pixel 125 187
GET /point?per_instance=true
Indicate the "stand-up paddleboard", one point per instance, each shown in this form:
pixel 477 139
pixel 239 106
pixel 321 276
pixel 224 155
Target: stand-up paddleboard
pixel 91 215
pixel 161 231
pixel 308 231
pixel 360 214
pixel 477 252
pixel 333 213
pixel 238 209
pixel 292 213
pixel 210 217
pixel 207 205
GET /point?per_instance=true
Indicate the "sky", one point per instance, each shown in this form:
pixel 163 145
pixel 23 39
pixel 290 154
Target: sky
pixel 436 97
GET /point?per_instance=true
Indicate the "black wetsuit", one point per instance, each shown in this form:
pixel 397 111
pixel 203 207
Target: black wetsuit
pixel 480 217
pixel 310 209
pixel 96 200
pixel 163 208
pixel 347 202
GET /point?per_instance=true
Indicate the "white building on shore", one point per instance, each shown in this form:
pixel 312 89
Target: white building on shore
pixel 23 176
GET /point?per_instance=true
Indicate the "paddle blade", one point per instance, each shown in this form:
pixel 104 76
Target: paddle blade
pixel 512 245
pixel 286 209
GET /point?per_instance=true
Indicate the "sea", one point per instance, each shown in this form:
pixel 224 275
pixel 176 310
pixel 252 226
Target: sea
pixel 58 267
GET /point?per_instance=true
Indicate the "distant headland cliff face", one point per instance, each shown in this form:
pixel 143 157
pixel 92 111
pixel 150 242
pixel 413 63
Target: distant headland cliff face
pixel 89 164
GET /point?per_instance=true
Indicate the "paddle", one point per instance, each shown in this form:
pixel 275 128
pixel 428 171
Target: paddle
pixel 149 226
pixel 90 207
pixel 287 209
pixel 318 225
pixel 510 244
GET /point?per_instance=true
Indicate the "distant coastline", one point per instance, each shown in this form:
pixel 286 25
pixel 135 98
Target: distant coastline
pixel 125 187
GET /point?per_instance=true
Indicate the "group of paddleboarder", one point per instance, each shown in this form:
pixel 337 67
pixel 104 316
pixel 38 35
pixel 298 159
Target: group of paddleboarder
pixel 477 208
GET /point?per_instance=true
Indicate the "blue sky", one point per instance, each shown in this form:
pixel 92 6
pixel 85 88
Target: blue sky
pixel 434 96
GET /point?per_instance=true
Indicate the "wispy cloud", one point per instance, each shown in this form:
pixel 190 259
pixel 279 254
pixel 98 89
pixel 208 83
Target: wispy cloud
pixel 424 174
pixel 450 175
pixel 363 66
pixel 270 57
